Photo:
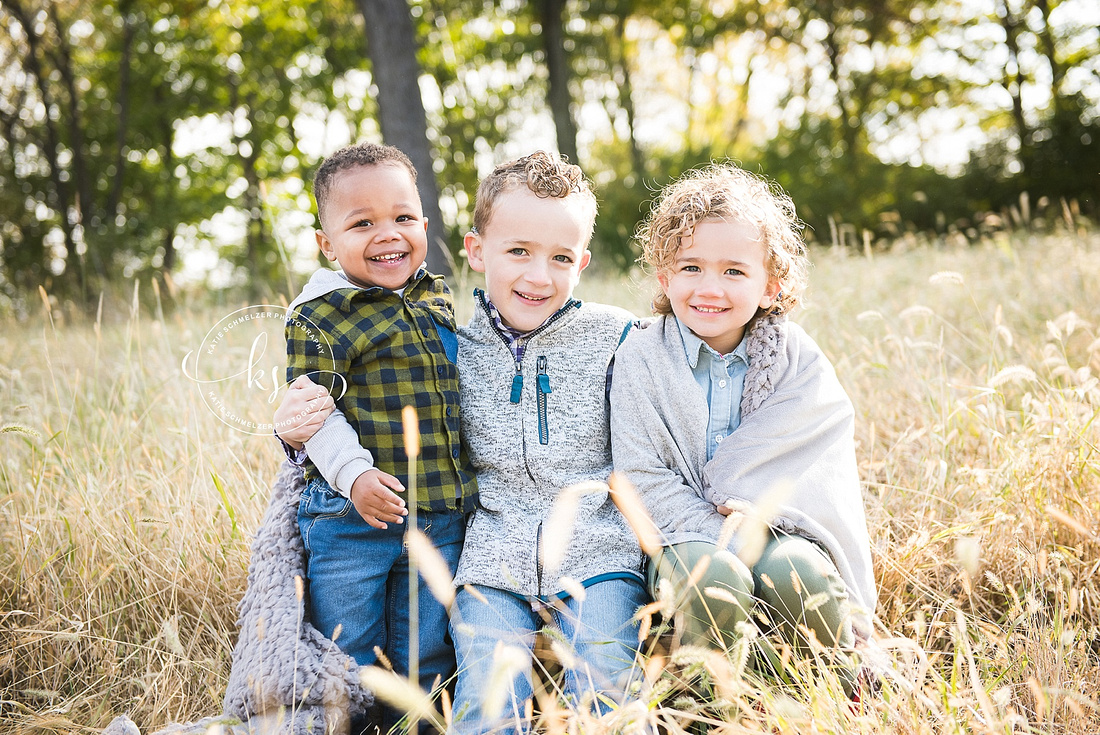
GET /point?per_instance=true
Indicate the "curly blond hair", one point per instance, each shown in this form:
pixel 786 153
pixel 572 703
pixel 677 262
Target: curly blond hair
pixel 544 174
pixel 726 191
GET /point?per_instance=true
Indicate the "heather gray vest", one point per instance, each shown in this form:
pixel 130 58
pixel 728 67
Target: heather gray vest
pixel 525 452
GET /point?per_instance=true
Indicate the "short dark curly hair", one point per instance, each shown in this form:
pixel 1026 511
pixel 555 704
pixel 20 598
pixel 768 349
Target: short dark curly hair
pixel 359 154
pixel 544 174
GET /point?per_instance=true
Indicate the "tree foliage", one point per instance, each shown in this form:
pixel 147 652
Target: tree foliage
pixel 136 135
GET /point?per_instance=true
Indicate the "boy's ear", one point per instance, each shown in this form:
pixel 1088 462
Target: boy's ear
pixel 472 243
pixel 585 260
pixel 770 293
pixel 325 244
pixel 662 279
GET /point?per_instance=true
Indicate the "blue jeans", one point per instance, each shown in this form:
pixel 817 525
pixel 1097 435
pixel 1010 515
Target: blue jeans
pixel 494 685
pixel 359 580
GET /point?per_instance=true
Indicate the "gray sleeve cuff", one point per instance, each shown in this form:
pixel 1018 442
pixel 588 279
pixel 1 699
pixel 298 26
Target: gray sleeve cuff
pixel 337 454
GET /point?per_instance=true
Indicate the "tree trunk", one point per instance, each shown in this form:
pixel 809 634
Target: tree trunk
pixel 551 14
pixel 1012 32
pixel 112 210
pixel 74 261
pixel 1057 71
pixel 168 169
pixel 848 129
pixel 626 95
pixel 25 264
pixel 392 46
pixel 76 130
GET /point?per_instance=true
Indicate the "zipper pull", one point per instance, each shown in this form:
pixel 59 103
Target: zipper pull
pixel 517 385
pixel 543 378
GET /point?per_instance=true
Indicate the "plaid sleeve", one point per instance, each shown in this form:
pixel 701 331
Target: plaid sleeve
pixel 315 346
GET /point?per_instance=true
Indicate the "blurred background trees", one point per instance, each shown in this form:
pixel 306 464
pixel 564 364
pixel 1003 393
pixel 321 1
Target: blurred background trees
pixel 176 140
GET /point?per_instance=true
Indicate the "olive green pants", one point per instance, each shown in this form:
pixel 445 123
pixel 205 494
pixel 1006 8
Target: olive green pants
pixel 791 590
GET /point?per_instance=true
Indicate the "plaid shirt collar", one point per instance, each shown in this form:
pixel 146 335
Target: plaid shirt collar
pixel 345 298
pixel 516 340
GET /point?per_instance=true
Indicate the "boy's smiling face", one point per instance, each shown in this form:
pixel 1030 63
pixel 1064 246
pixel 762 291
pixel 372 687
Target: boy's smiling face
pixel 532 253
pixel 374 226
pixel 717 281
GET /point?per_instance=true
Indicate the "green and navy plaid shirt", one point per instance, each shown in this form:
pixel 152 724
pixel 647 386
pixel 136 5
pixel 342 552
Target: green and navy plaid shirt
pixel 386 346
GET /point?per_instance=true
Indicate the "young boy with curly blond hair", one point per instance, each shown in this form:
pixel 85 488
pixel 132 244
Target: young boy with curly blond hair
pixel 724 407
pixel 533 371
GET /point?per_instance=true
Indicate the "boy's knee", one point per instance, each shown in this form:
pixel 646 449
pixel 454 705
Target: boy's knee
pixel 802 586
pixel 797 565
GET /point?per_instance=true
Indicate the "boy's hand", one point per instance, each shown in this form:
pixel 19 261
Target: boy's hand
pixel 732 516
pixel 302 412
pixel 373 495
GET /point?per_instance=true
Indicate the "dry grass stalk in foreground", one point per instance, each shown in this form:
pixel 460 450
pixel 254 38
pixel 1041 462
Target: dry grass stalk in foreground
pixel 127 507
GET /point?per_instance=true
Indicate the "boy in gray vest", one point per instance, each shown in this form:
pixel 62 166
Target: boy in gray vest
pixel 533 371
pixel 533 375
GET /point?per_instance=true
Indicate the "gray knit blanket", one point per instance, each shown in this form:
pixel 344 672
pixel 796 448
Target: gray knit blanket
pixel 793 450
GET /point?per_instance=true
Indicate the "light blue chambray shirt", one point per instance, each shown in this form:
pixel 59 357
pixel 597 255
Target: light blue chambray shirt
pixel 722 378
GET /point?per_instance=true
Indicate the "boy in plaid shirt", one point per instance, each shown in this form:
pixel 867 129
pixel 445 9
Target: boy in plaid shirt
pixel 380 335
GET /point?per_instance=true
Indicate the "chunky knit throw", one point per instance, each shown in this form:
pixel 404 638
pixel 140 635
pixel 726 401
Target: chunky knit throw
pixel 793 450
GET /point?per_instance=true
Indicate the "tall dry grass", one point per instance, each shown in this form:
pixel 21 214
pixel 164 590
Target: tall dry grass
pixel 128 507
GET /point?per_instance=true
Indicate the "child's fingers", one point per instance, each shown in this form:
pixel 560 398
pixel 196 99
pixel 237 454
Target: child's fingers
pixel 302 382
pixel 386 502
pixel 391 482
pixel 396 505
pixel 391 518
pixel 374 522
pixel 383 512
pixel 314 420
pixel 321 405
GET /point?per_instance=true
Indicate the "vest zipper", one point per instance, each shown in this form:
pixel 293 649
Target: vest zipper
pixel 538 560
pixel 516 392
pixel 542 390
pixel 517 384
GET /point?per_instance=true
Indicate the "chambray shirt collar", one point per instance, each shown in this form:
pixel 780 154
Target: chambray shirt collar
pixel 694 345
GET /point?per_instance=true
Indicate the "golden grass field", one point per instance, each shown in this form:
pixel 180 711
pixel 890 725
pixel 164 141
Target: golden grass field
pixel 127 506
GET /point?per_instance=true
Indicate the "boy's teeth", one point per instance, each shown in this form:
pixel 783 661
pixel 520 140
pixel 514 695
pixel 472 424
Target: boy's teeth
pixel 391 256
